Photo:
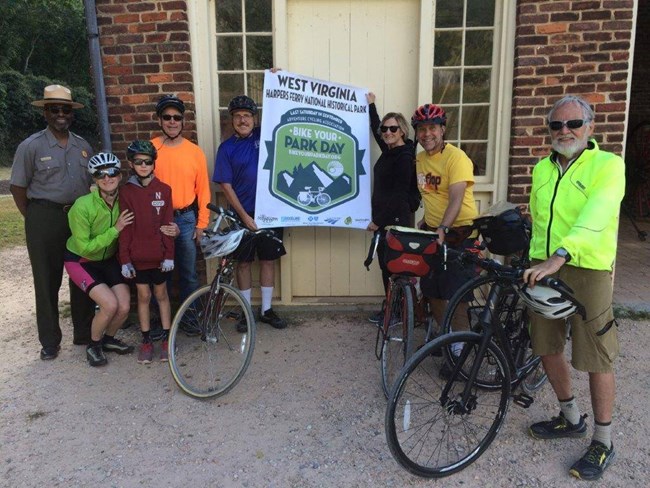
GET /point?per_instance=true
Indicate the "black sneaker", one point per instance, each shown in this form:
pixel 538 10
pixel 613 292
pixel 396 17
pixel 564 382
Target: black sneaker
pixel 48 353
pixel 111 344
pixel 190 330
pixel 592 465
pixel 271 318
pixel 242 325
pixel 377 317
pixel 95 356
pixel 558 427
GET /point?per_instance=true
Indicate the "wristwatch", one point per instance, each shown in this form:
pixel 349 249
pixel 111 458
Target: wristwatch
pixel 563 253
pixel 444 228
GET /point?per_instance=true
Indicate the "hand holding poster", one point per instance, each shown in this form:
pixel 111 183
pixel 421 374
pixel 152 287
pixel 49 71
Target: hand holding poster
pixel 314 166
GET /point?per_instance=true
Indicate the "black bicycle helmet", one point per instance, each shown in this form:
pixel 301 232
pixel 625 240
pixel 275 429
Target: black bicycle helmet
pixel 242 102
pixel 141 147
pixel 506 233
pixel 169 101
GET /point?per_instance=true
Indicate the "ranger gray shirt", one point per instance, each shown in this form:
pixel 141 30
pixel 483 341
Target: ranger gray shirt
pixel 50 171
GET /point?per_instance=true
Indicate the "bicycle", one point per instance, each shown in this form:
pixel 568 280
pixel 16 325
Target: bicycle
pixel 310 196
pixel 212 362
pixel 452 396
pixel 402 309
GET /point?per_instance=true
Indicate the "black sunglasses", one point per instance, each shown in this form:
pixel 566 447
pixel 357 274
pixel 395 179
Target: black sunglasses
pixel 55 109
pixel 103 173
pixel 168 117
pixel 392 128
pixel 140 162
pixel 571 124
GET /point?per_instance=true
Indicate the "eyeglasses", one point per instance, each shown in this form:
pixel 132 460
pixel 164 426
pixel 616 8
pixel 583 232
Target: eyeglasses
pixel 392 128
pixel 570 124
pixel 168 117
pixel 100 174
pixel 242 116
pixel 55 109
pixel 140 162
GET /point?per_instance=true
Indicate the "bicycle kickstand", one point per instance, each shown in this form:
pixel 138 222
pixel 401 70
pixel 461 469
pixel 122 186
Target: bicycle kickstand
pixel 523 400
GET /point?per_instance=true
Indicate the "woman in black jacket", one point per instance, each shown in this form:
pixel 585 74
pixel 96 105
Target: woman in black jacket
pixel 394 179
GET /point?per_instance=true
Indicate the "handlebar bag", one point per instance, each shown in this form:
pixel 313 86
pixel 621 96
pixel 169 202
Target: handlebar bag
pixel 506 233
pixel 411 252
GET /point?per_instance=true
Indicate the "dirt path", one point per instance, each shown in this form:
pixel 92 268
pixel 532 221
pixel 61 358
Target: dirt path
pixel 308 413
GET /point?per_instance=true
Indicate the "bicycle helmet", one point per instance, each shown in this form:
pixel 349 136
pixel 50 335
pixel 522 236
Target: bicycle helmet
pixel 169 101
pixel 141 147
pixel 428 114
pixel 242 102
pixel 221 243
pixel 549 303
pixel 101 161
pixel 505 233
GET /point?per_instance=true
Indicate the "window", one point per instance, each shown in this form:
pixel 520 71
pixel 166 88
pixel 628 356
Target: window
pixel 244 50
pixel 463 45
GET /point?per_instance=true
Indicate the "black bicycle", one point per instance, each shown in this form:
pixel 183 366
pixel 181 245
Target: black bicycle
pixel 452 396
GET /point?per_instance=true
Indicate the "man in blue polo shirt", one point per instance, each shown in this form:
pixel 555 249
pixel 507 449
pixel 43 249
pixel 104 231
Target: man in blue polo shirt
pixel 236 171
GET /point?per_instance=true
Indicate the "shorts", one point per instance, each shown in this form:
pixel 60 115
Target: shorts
pixel 151 276
pixel 88 274
pixel 442 284
pixel 266 248
pixel 594 341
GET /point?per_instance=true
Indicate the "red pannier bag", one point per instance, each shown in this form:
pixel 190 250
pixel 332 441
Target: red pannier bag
pixel 411 252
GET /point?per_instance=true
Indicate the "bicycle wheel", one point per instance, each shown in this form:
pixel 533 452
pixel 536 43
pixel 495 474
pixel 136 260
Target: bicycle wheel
pixel 436 427
pixel 397 345
pixel 212 363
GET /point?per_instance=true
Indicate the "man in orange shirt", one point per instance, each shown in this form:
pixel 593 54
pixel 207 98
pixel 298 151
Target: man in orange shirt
pixel 182 165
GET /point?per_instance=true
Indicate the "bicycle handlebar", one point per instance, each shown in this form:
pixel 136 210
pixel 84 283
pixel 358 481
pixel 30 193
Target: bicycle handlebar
pixel 234 218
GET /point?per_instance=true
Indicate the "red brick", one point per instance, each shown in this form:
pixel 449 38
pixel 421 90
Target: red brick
pixel 581 68
pixel 527 9
pixel 591 78
pixel 126 19
pixel 179 88
pixel 617 25
pixel 179 36
pixel 611 87
pixel 584 26
pixel 554 6
pixel 622 35
pixel 551 28
pixel 623 14
pixel 178 16
pixel 110 30
pixel 140 6
pixel 528 81
pixel 159 78
pixel 135 99
pixel 596 15
pixel 565 38
pixel 590 5
pixel 173 5
pixel 527 141
pixel 597 36
pixel 154 17
pixel 552 49
pixel 118 70
pixel 610 107
pixel 565 16
pixel 130 39
pixel 596 57
pixel 549 90
pixel 172 27
pixel 537 61
pixel 613 67
pixel 594 98
pixel 629 4
pixel 617 117
pixel 110 9
pixel 156 38
pixel 148 27
pixel 615 46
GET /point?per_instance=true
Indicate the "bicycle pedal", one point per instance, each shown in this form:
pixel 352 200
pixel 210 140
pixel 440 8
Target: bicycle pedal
pixel 523 400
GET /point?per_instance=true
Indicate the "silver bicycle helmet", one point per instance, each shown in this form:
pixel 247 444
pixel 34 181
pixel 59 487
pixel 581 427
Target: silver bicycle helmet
pixel 221 243
pixel 103 160
pixel 547 302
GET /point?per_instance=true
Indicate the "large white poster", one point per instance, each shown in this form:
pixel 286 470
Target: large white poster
pixel 314 166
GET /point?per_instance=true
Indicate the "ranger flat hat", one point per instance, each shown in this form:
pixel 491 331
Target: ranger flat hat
pixel 56 94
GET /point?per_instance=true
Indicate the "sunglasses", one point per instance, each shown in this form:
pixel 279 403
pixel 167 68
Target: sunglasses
pixel 103 173
pixel 168 117
pixel 55 109
pixel 140 162
pixel 570 124
pixel 392 128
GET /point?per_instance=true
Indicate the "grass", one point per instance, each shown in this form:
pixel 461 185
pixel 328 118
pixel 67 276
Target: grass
pixel 5 172
pixel 12 231
pixel 622 312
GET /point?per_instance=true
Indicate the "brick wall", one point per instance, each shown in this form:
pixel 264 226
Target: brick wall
pixel 640 93
pixel 146 54
pixel 567 47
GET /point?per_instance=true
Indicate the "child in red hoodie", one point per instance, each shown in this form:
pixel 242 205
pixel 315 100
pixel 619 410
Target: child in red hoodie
pixel 146 254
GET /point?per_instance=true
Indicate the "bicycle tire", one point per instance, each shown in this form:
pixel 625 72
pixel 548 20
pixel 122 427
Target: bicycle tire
pixel 397 345
pixel 428 431
pixel 212 363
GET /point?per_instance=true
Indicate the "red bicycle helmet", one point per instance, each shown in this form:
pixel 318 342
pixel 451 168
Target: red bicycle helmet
pixel 428 114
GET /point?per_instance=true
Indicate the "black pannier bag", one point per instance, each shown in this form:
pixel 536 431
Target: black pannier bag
pixel 506 233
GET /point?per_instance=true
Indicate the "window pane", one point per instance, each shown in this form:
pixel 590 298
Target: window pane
pixel 477 152
pixel 447 48
pixel 480 13
pixel 451 134
pixel 226 125
pixel 449 13
pixel 230 86
pixel 475 122
pixel 259 52
pixel 446 86
pixel 478 48
pixel 229 16
pixel 229 53
pixel 255 86
pixel 476 87
pixel 258 15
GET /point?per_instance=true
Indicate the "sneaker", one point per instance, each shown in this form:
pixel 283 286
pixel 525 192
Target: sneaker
pixel 48 353
pixel 592 465
pixel 271 318
pixel 558 427
pixel 377 317
pixel 164 351
pixel 190 330
pixel 111 344
pixel 95 356
pixel 145 353
pixel 242 325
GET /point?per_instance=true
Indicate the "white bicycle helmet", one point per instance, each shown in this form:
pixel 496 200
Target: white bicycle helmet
pixel 547 302
pixel 103 160
pixel 221 243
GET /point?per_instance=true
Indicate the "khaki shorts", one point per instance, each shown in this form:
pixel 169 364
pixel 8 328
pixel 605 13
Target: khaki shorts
pixel 594 341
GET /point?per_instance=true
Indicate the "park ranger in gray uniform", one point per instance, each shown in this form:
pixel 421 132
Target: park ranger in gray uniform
pixel 49 173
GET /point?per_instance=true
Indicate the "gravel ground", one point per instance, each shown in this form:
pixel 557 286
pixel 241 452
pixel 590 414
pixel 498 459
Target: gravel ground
pixel 308 413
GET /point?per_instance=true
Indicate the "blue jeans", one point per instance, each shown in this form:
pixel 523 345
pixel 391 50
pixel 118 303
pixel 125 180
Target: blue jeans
pixel 185 255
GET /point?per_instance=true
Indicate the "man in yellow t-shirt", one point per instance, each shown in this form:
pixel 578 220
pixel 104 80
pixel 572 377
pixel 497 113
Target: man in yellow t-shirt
pixel 445 178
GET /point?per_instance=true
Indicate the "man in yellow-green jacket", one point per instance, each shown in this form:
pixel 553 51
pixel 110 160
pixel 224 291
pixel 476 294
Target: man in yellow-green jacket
pixel 575 203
